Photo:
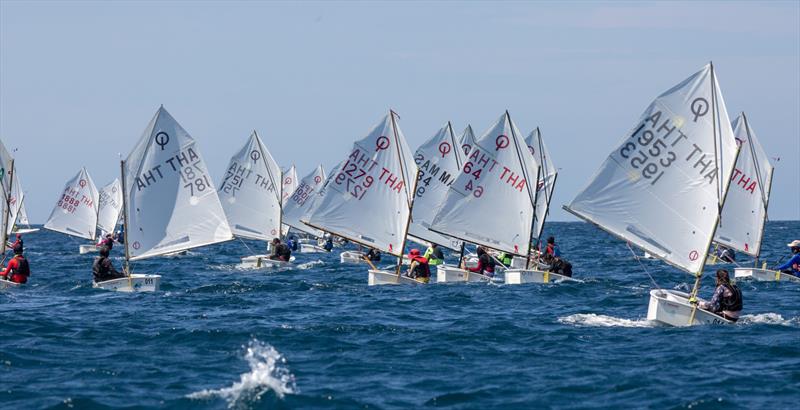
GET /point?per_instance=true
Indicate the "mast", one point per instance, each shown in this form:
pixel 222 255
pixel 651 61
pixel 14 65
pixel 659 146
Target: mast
pixel 126 268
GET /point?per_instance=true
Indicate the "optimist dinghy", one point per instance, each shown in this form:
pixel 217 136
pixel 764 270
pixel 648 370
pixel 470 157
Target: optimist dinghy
pixel 297 205
pixel 251 195
pixel 664 187
pixel 370 198
pixel 22 219
pixel 76 210
pixel 169 203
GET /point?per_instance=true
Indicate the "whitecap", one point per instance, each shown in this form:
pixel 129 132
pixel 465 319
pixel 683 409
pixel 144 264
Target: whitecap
pixel 768 319
pixel 268 372
pixel 309 265
pixel 591 319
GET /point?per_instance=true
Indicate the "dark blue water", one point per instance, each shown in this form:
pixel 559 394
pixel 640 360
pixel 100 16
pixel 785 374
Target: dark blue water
pixel 317 337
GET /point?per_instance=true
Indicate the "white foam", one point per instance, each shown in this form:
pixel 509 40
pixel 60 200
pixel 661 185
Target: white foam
pixel 768 319
pixel 267 373
pixel 309 265
pixel 591 319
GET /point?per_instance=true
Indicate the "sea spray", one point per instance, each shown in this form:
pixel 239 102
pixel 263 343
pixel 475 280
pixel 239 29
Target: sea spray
pixel 268 372
pixel 591 319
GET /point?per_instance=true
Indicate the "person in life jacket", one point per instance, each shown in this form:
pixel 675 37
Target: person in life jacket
pixel 107 241
pixel 552 257
pixel 17 244
pixel 120 236
pixel 103 269
pixel 419 267
pixel 506 259
pixel 434 255
pixel 486 263
pixel 374 255
pixel 18 269
pixel 725 254
pixel 280 252
pixel 792 267
pixel 727 298
pixel 328 244
pixel 293 243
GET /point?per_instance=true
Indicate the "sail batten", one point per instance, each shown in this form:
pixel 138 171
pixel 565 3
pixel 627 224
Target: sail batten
pixel 170 200
pixel 661 189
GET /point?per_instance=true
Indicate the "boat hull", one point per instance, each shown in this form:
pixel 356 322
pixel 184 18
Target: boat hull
pixel 764 275
pixel 671 307
pixel 6 284
pixel 351 257
pixel 26 230
pixel 311 248
pixel 521 276
pixel 87 249
pixel 454 274
pixel 382 277
pixel 136 282
pixel 263 261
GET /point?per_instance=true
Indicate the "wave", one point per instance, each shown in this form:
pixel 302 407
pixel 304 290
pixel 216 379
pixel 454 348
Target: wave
pixel 309 265
pixel 768 319
pixel 591 319
pixel 267 373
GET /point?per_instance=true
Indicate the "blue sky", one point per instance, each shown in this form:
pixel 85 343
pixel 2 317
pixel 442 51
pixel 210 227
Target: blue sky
pixel 80 80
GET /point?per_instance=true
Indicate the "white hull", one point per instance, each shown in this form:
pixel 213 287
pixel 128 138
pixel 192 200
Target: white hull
pixel 87 249
pixel 382 277
pixel 26 230
pixel 310 248
pixel 764 275
pixel 452 274
pixel 351 257
pixel 520 276
pixel 671 307
pixel 137 282
pixel 5 284
pixel 263 261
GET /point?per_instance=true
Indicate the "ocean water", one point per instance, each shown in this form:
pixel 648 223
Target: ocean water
pixel 315 336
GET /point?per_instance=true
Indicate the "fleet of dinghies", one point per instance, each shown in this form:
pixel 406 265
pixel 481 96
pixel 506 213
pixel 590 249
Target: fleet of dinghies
pixel 682 161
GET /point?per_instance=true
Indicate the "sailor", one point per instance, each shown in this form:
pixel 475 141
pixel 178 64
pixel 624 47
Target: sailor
pixel 727 298
pixel 17 244
pixel 107 241
pixel 18 269
pixel 374 255
pixel 486 263
pixel 103 269
pixel 280 252
pixel 725 254
pixel 418 267
pixel 792 267
pixel 506 258
pixel 434 255
pixel 328 244
pixel 292 243
pixel 120 237
pixel 552 257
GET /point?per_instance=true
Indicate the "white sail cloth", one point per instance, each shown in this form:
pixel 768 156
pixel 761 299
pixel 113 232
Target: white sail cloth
pixel 110 206
pixel 547 179
pixel 745 211
pixel 75 212
pixel 301 201
pixel 6 184
pixel 662 188
pixel 491 202
pixel 368 200
pixel 439 161
pixel 170 200
pixel 250 192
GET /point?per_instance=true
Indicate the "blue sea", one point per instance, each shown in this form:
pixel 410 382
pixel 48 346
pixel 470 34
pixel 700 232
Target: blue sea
pixel 316 336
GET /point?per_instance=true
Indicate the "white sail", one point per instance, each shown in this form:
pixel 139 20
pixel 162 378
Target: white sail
pixel 250 192
pixel 439 161
pixel 289 184
pixel 745 211
pixel 302 199
pixel 663 187
pixel 15 202
pixel 75 212
pixel 22 217
pixel 369 198
pixel 5 186
pixel 170 200
pixel 110 206
pixel 547 179
pixel 491 202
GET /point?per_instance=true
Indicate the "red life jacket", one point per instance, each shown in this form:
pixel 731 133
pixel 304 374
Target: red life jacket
pixel 422 269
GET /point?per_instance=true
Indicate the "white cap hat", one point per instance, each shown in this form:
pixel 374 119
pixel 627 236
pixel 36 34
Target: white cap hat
pixel 794 244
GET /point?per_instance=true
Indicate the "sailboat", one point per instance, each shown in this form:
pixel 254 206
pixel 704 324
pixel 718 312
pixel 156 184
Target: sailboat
pixel 288 186
pixel 23 225
pixel 251 197
pixel 495 180
pixel 169 202
pixel 369 200
pixel 299 202
pixel 76 210
pixel 745 212
pixel 534 273
pixel 9 185
pixel 108 212
pixel 664 187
